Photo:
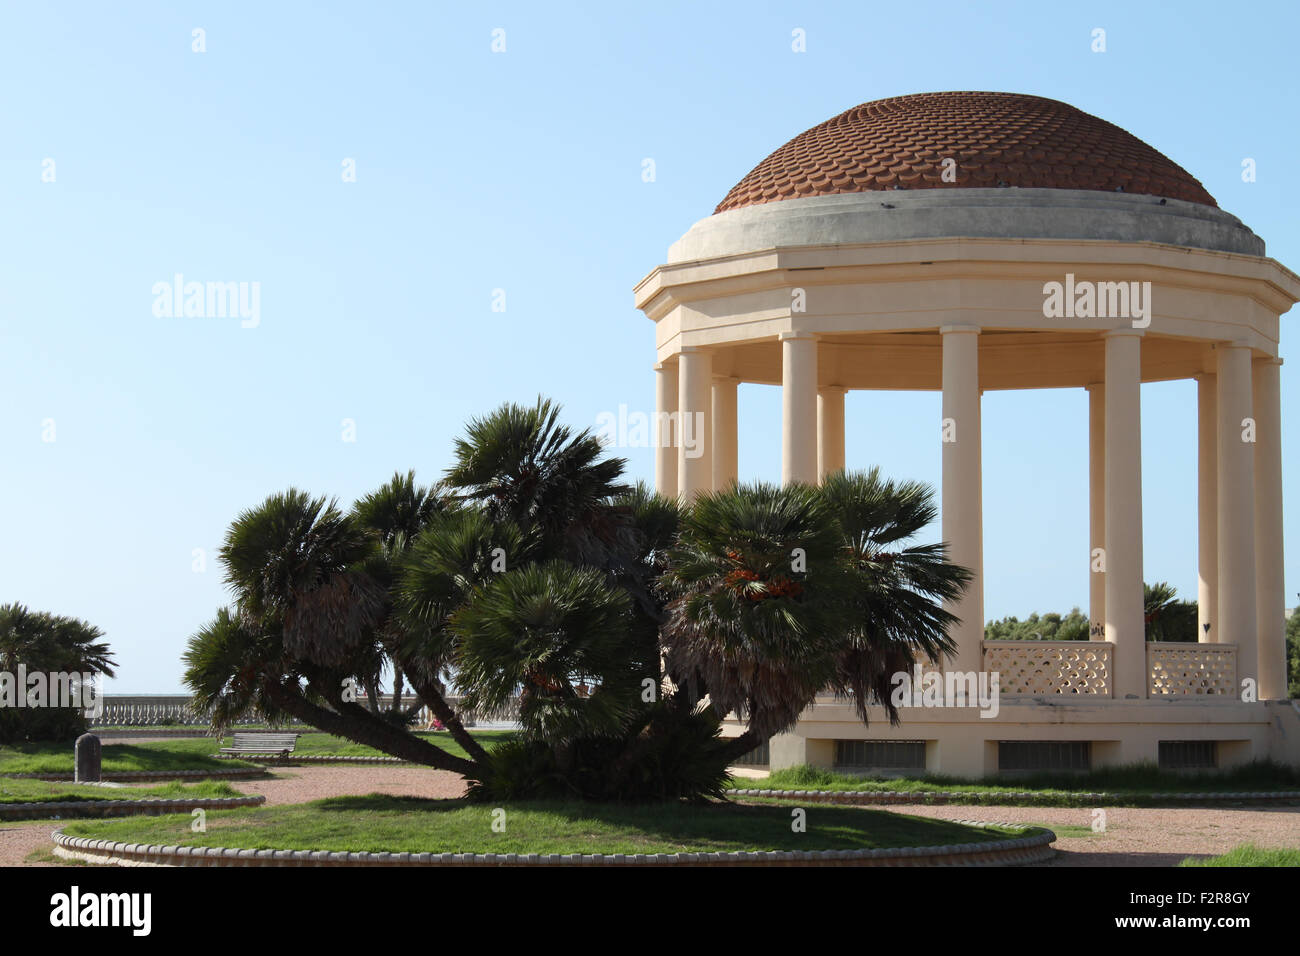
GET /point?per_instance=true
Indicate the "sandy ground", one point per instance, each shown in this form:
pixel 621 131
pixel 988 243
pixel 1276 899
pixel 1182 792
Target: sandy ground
pixel 301 784
pixel 1133 836
pixel 1140 836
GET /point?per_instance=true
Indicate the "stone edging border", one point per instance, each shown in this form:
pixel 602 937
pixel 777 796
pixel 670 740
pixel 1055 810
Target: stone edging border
pixel 125 776
pixel 1032 848
pixel 124 733
pixel 113 808
pixel 291 759
pixel 1012 798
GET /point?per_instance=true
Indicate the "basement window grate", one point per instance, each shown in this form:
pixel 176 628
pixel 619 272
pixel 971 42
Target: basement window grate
pixel 760 756
pixel 880 754
pixel 1188 755
pixel 1020 755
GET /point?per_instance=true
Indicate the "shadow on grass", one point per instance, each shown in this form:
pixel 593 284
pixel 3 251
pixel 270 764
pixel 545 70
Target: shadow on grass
pixel 190 754
pixel 775 827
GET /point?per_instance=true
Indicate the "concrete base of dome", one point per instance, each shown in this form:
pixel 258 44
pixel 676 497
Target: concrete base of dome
pixel 965 213
pixel 959 742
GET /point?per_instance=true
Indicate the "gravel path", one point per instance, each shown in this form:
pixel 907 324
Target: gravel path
pixel 17 840
pixel 301 784
pixel 1140 836
pixel 1133 836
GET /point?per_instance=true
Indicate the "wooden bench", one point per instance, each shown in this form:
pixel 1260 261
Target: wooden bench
pixel 262 745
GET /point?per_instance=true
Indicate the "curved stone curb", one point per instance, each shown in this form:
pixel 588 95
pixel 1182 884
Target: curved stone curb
pixel 126 776
pixel 293 759
pixel 123 733
pixel 1032 848
pixel 122 808
pixel 1013 798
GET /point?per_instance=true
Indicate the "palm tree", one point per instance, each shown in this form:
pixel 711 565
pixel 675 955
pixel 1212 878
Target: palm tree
pixel 758 603
pixel 897 590
pixel 546 630
pixel 521 464
pixel 50 644
pixel 308 606
pixel 397 512
pixel 1166 618
pixel 777 593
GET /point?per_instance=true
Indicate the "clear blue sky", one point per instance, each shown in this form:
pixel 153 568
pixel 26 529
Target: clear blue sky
pixel 519 171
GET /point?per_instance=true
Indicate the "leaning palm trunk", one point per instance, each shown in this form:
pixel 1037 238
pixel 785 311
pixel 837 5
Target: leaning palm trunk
pixel 356 724
pixel 438 706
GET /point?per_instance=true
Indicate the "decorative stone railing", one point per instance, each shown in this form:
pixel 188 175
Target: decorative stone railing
pixel 145 710
pixel 1042 668
pixel 1192 669
pixel 162 710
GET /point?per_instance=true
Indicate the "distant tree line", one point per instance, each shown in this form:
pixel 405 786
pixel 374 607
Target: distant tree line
pixel 40 643
pixel 1166 617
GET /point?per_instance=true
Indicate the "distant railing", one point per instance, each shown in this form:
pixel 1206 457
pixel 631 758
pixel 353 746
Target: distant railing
pixel 163 710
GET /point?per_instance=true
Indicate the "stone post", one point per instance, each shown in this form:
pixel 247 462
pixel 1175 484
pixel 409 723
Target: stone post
pixel 88 759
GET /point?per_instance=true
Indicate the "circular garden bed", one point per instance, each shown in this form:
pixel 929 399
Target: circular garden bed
pixel 403 831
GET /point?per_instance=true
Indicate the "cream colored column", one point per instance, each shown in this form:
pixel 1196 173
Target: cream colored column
pixel 695 402
pixel 962 504
pixel 1096 511
pixel 1207 508
pixel 1237 618
pixel 725 425
pixel 830 430
pixel 1125 625
pixel 798 408
pixel 665 429
pixel 1270 588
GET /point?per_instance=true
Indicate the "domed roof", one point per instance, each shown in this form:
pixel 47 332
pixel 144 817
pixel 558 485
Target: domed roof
pixel 995 139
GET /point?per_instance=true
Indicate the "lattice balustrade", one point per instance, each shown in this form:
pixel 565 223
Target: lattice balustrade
pixel 1041 668
pixel 1192 669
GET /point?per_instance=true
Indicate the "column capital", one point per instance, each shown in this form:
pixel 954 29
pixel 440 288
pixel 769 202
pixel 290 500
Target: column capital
pixel 690 349
pixel 726 379
pixel 791 334
pixel 1093 385
pixel 956 329
pixel 1268 360
pixel 1204 376
pixel 1123 330
pixel 833 388
pixel 1234 344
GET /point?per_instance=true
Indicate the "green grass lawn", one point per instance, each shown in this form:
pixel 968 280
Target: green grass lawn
pixel 195 753
pixel 1248 855
pixel 49 791
pixel 189 754
pixel 1136 783
pixel 406 824
pixel 318 743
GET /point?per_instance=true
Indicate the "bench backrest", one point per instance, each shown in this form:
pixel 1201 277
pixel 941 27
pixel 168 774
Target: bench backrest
pixel 270 741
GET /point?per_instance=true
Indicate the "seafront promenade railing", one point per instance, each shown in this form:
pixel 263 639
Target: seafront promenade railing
pixel 162 710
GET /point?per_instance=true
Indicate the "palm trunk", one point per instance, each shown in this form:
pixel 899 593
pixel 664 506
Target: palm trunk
pixel 431 694
pixel 734 747
pixel 354 723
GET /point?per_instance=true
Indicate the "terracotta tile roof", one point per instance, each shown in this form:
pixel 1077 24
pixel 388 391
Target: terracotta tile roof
pixel 997 139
